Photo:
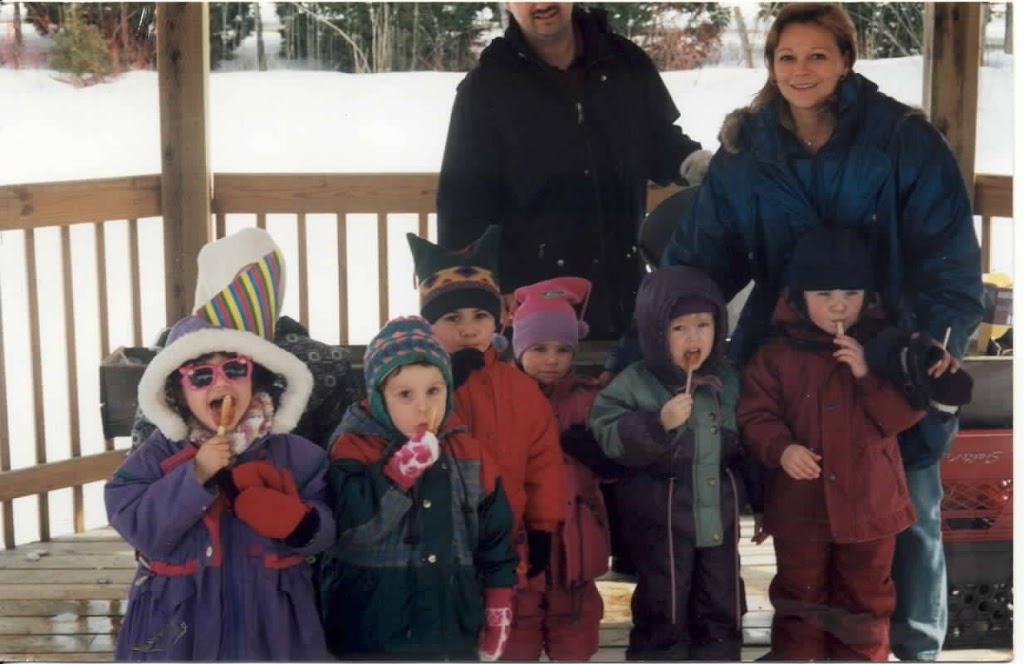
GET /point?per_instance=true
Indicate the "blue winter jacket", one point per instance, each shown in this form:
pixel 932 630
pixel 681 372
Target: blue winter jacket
pixel 886 170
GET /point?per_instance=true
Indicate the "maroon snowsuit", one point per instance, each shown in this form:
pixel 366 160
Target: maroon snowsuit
pixel 835 535
pixel 560 612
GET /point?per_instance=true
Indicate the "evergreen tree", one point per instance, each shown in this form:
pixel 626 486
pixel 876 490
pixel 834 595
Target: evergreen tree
pixel 80 50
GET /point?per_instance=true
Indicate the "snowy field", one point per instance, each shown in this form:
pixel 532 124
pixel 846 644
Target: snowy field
pixel 284 120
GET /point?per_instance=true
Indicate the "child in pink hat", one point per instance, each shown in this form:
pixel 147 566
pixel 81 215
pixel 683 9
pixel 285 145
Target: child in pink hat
pixel 560 612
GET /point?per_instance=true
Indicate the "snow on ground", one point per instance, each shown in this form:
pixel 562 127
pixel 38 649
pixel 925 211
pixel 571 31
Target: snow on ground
pixel 284 120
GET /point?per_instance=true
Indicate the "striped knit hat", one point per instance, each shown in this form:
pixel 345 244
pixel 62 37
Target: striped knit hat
pixel 402 341
pixel 241 281
pixel 450 280
pixel 240 316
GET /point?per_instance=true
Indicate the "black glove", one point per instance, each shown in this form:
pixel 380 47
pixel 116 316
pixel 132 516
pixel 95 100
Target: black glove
pixel 538 549
pixel 580 444
pixel 465 362
pixel 904 359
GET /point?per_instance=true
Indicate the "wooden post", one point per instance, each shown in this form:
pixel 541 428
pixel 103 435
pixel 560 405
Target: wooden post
pixel 183 63
pixel 952 57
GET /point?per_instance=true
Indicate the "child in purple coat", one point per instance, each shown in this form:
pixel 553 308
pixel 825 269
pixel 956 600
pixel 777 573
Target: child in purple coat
pixel 223 506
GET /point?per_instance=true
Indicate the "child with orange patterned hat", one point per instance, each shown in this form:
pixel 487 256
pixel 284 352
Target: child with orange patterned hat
pixel 560 612
pixel 223 506
pixel 502 406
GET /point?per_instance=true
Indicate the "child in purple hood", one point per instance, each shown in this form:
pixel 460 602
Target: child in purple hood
pixel 670 418
pixel 222 505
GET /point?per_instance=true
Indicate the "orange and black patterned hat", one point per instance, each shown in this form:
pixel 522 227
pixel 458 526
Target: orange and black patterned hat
pixel 450 280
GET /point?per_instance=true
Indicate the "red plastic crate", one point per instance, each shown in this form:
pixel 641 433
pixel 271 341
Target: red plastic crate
pixel 977 479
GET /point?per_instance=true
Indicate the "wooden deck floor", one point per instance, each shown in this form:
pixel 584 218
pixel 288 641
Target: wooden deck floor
pixel 63 601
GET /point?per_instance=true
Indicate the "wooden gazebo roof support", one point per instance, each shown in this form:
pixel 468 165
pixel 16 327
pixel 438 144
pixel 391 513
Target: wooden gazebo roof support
pixel 952 57
pixel 183 63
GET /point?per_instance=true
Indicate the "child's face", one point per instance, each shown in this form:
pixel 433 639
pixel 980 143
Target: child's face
pixel 465 328
pixel 547 362
pixel 826 308
pixel 411 392
pixel 690 339
pixel 230 375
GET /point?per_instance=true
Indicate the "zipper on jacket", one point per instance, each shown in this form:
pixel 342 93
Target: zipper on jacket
pixel 671 549
pixel 579 112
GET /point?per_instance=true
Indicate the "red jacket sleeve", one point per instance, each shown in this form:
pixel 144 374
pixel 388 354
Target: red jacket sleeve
pixel 760 413
pixel 886 406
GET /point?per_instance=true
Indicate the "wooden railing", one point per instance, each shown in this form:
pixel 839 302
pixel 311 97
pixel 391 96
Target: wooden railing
pixel 104 205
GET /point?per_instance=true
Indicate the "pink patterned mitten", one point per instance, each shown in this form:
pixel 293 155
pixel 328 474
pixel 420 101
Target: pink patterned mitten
pixel 412 459
pixel 497 624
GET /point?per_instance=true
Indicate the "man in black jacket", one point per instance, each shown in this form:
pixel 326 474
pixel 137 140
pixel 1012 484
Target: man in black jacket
pixel 554 136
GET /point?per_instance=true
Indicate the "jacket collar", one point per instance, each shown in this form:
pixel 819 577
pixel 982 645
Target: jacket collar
pixel 796 327
pixel 358 421
pixel 773 143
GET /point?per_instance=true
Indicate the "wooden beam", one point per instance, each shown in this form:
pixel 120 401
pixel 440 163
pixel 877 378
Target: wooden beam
pixel 183 64
pixel 61 203
pixel 59 474
pixel 324 192
pixel 993 195
pixel 952 57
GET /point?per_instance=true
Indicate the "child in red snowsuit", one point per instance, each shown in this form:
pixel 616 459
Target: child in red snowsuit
pixel 560 612
pixel 824 425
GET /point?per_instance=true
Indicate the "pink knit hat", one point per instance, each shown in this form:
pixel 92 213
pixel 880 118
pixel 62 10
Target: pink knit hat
pixel 546 311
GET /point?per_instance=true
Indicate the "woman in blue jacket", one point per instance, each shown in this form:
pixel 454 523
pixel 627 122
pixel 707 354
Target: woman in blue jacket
pixel 820 144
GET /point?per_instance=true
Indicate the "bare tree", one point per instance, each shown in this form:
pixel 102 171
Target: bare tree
pixel 502 15
pixel 1008 37
pixel 261 55
pixel 19 44
pixel 741 27
pixel 362 64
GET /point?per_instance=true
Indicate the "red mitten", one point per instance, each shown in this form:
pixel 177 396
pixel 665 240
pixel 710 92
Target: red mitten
pixel 270 513
pixel 257 473
pixel 412 459
pixel 497 624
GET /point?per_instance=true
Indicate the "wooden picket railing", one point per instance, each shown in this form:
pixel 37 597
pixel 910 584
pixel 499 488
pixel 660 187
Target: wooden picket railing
pixel 27 210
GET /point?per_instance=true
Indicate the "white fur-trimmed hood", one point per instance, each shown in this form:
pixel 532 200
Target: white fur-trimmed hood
pixel 210 339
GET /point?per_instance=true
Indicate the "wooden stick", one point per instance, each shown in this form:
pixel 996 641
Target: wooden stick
pixel 432 421
pixel 839 327
pixel 227 408
pixel 945 340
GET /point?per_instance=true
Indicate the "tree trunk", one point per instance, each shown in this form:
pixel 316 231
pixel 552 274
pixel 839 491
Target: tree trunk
pixel 741 27
pixel 1008 38
pixel 19 43
pixel 502 15
pixel 261 56
pixel 414 56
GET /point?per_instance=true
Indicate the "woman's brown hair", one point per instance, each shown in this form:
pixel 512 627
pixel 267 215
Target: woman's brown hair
pixel 830 16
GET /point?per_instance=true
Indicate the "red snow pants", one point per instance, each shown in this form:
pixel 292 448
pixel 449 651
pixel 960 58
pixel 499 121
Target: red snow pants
pixel 565 623
pixel 832 601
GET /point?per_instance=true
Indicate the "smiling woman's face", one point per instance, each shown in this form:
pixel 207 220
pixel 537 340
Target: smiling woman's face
pixel 807 65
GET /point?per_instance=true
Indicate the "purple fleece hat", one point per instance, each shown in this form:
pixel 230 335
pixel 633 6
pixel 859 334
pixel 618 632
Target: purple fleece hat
pixel 545 311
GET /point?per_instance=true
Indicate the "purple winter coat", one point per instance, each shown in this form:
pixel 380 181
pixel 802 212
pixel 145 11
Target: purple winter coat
pixel 209 587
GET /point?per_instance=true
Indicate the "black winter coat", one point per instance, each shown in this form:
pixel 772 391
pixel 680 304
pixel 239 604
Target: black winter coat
pixel 561 166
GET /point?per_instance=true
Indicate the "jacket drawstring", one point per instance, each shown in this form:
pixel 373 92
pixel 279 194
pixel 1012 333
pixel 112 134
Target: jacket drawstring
pixel 671 548
pixel 736 550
